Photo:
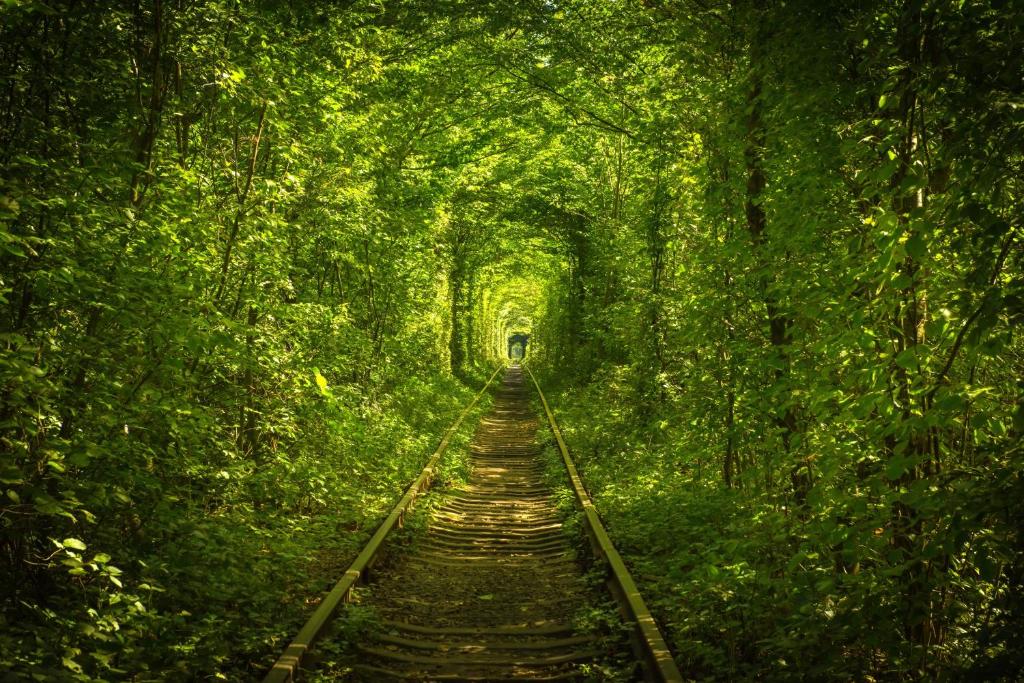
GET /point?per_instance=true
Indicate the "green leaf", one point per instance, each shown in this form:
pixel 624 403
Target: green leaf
pixel 902 281
pixel 916 247
pixel 907 359
pixel 74 544
pixel 897 466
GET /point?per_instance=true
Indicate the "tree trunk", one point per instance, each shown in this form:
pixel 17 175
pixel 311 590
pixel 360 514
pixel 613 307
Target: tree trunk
pixel 778 323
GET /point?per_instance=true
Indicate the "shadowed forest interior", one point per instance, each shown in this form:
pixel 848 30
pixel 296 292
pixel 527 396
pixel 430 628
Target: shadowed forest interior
pixel 764 258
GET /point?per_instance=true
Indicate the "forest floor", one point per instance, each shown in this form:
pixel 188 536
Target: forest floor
pixel 492 588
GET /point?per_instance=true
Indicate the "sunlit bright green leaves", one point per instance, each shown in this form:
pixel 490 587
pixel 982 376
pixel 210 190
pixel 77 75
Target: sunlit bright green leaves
pixel 73 543
pixel 321 382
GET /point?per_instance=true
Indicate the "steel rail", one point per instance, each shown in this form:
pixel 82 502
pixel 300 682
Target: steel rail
pixel 287 665
pixel 648 641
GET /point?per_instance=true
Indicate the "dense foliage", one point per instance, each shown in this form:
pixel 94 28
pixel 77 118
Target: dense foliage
pixel 218 298
pixel 254 256
pixel 797 390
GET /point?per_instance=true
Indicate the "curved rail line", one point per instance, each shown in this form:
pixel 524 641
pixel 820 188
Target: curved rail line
pixel 288 663
pixel 498 535
pixel 647 641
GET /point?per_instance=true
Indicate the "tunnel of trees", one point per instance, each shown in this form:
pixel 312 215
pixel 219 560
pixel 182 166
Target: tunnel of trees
pixel 255 255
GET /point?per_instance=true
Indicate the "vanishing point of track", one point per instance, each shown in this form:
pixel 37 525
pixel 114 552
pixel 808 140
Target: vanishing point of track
pixel 490 590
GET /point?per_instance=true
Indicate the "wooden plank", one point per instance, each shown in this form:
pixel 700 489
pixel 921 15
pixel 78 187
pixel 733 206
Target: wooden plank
pixel 480 646
pixel 537 628
pixel 511 660
pixel 287 665
pixel 657 658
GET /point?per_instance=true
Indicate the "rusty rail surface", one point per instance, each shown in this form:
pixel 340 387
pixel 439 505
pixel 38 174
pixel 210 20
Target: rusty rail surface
pixel 648 641
pixel 287 665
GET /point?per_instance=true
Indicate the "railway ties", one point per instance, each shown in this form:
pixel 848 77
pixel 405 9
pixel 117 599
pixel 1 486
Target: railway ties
pixel 490 589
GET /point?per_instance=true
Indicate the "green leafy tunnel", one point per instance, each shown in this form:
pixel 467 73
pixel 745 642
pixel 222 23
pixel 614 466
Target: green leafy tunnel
pixel 255 256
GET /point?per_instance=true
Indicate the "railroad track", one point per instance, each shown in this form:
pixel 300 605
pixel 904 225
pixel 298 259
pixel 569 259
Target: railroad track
pixel 490 590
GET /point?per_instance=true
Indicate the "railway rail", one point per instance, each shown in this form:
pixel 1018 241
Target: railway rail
pixel 489 590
